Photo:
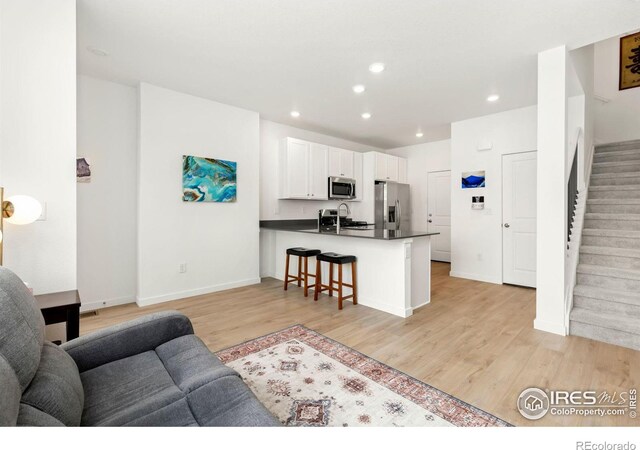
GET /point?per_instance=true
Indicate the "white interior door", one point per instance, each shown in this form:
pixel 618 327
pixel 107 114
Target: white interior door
pixel 519 218
pixel 439 214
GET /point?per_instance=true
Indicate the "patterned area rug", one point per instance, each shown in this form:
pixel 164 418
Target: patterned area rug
pixel 307 379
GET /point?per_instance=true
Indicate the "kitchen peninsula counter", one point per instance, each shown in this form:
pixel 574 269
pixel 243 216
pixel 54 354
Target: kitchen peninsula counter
pixel 394 267
pixel 309 226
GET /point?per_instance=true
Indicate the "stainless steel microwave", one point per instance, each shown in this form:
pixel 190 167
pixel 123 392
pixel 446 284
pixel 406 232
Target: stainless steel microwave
pixel 342 188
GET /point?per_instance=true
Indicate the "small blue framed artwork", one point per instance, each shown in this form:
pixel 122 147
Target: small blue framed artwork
pixel 473 180
pixel 208 179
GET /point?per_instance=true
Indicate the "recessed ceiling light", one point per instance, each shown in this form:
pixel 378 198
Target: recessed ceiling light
pixel 97 51
pixel 358 89
pixel 295 114
pixel 419 135
pixel 493 98
pixel 366 116
pixel 376 67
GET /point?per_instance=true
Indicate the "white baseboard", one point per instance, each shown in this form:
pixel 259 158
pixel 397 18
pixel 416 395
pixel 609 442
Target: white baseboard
pixel 420 305
pixel 146 301
pixel 92 306
pixel 476 277
pixel 550 327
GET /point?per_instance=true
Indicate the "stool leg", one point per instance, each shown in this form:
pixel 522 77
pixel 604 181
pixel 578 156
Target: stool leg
pixel 306 276
pixel 286 273
pixel 354 281
pixel 299 271
pixel 339 286
pixel 318 280
pixel 330 279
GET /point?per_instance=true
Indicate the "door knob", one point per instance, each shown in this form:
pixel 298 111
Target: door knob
pixel 506 225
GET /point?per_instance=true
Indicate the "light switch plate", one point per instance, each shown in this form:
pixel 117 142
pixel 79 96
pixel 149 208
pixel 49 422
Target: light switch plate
pixel 43 215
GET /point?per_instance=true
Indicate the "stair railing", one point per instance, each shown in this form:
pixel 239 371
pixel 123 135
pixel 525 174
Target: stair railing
pixel 572 195
pixel 576 206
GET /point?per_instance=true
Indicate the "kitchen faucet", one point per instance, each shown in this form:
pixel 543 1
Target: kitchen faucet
pixel 338 221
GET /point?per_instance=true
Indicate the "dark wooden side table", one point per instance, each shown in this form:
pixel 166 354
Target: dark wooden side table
pixel 61 307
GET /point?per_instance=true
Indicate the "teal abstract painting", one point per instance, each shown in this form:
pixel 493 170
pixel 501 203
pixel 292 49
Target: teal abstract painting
pixel 208 179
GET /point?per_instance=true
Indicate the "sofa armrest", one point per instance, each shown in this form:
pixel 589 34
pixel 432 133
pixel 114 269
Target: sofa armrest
pixel 127 339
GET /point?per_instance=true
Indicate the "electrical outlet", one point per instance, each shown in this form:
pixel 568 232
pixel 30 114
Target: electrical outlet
pixel 183 268
pixel 479 256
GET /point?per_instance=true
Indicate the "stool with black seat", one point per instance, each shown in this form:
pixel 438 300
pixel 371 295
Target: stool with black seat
pixel 339 260
pixel 303 274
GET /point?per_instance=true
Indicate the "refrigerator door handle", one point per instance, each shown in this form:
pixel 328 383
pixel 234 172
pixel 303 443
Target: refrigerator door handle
pixel 398 214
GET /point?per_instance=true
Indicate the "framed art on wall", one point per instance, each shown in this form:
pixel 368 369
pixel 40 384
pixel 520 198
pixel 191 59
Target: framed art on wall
pixel 208 179
pixel 630 61
pixel 472 180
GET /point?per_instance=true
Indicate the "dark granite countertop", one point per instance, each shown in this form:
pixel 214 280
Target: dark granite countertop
pixel 310 227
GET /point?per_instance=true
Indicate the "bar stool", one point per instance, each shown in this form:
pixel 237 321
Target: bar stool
pixel 300 252
pixel 335 258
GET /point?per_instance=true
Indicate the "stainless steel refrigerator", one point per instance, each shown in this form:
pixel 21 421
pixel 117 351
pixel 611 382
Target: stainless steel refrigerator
pixel 392 206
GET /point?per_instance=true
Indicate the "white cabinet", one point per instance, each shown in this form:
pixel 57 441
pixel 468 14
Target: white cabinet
pixel 358 175
pixel 340 163
pixel 402 170
pixel 318 178
pixel 303 170
pixel 390 168
pixel 380 166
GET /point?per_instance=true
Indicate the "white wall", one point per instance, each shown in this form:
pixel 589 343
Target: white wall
pixel 551 225
pixel 619 119
pixel 217 241
pixel 38 136
pixel 107 210
pixel 270 207
pixel 476 235
pixel 421 159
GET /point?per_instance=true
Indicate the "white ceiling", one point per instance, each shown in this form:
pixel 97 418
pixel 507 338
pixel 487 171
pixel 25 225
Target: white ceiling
pixel 443 57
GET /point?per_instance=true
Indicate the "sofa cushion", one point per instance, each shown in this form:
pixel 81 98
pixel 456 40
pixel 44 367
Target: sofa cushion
pixel 33 417
pixel 56 388
pixel 21 327
pixel 10 393
pixel 190 363
pixel 180 383
pixel 228 402
pixel 124 390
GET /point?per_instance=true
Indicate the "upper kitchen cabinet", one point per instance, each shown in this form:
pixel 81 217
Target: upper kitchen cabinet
pixel 341 163
pixel 303 170
pixel 358 175
pixel 402 170
pixel 390 168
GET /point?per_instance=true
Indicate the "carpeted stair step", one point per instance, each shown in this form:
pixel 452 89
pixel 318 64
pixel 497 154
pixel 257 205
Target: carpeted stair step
pixel 608 277
pixel 614 206
pixel 614 192
pixel 621 258
pixel 611 238
pixel 616 167
pixel 606 301
pixel 615 179
pixel 617 146
pixel 610 328
pixel 612 221
pixel 617 156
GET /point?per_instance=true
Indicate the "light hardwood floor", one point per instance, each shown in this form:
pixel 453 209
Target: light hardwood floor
pixel 475 340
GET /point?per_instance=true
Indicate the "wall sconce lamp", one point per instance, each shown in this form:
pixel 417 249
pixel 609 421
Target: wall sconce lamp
pixel 18 210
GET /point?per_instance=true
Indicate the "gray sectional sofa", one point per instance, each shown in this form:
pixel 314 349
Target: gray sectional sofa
pixel 152 371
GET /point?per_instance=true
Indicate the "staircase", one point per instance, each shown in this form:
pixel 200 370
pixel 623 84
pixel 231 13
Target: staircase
pixel 606 298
